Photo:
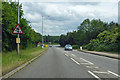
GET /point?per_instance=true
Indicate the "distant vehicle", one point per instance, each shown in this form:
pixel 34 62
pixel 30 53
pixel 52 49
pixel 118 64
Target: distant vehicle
pixel 68 47
pixel 50 45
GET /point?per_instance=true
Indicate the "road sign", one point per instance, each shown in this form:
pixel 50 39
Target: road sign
pixel 17 40
pixel 17 30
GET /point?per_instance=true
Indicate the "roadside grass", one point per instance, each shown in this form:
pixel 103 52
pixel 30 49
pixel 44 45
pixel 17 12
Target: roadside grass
pixel 0 64
pixel 11 60
pixel 55 44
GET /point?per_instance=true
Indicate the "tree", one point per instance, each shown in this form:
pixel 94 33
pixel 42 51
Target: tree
pixel 62 40
pixel 9 20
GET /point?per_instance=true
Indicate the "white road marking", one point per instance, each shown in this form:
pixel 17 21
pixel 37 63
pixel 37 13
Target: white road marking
pixel 75 61
pixel 113 73
pixel 91 67
pixel 66 54
pixel 100 72
pixel 87 61
pixel 73 55
pixel 74 50
pixel 94 75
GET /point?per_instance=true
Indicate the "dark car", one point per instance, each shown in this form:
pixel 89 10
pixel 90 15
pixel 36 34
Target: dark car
pixel 68 47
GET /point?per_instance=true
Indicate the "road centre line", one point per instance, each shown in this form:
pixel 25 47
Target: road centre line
pixel 94 75
pixel 113 73
pixel 74 61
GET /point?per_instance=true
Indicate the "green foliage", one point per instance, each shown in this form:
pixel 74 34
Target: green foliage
pixel 86 31
pixel 106 41
pixel 94 35
pixel 52 39
pixel 75 47
pixel 9 20
pixel 62 40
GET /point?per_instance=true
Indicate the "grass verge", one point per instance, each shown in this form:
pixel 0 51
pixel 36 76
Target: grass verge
pixel 11 60
pixel 0 64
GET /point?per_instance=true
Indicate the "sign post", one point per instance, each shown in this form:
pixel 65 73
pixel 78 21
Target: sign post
pixel 18 31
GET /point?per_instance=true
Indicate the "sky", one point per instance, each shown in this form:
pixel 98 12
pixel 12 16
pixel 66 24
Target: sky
pixel 60 17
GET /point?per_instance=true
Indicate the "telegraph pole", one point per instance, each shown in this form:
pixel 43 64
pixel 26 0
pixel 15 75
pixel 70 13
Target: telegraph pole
pixel 42 31
pixel 18 34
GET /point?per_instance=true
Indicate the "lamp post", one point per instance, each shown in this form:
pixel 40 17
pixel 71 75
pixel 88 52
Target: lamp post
pixel 42 31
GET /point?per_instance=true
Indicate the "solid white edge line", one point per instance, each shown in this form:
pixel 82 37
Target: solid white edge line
pixel 113 73
pixel 75 61
pixel 94 75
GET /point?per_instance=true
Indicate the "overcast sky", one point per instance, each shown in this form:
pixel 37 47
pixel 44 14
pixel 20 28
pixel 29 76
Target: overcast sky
pixel 61 17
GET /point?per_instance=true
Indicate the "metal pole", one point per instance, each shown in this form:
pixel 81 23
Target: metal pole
pixel 18 34
pixel 45 33
pixel 42 31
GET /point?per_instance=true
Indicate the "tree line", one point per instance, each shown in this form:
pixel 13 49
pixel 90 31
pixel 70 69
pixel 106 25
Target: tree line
pixel 9 20
pixel 52 39
pixel 94 35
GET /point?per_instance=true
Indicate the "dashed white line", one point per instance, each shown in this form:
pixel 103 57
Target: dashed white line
pixel 73 55
pixel 66 54
pixel 74 61
pixel 113 73
pixel 94 75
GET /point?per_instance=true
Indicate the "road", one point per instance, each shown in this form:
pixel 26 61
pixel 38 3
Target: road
pixel 57 63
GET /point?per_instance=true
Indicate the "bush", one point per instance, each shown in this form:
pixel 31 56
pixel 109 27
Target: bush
pixel 106 41
pixel 75 46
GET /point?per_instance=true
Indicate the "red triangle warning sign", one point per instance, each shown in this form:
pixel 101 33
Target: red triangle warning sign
pixel 17 30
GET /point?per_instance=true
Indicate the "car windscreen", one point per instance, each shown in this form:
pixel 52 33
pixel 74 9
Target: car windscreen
pixel 68 46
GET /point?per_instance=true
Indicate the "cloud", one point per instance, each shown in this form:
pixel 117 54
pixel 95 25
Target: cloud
pixel 64 17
